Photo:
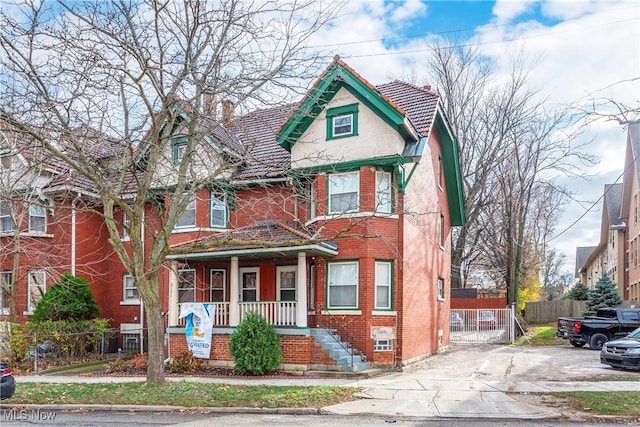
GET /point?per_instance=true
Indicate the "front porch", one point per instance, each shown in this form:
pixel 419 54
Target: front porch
pixel 277 313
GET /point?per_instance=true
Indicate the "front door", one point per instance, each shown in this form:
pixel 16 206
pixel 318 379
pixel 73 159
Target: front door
pixel 249 284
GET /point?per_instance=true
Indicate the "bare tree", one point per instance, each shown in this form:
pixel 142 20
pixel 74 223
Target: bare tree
pixel 513 148
pixel 102 87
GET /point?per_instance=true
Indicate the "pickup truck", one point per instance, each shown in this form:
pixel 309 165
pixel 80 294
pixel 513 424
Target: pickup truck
pixel 608 323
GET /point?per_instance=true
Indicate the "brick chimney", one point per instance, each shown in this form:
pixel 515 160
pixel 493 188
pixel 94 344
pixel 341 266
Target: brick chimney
pixel 228 111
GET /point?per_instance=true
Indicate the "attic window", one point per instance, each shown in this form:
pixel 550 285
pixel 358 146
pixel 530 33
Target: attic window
pixel 342 121
pixel 179 148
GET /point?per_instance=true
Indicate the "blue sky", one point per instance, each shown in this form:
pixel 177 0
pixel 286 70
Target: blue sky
pixel 583 50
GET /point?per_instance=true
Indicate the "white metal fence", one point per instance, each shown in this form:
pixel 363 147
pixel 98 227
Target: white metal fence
pixel 482 325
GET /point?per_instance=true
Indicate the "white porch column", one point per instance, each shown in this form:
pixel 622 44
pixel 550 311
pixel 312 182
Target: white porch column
pixel 234 293
pixel 174 308
pixel 301 291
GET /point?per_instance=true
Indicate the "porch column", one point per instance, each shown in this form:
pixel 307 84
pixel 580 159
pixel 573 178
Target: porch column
pixel 234 293
pixel 301 291
pixel 174 307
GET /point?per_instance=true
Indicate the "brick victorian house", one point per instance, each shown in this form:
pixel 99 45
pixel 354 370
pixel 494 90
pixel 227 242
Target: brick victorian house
pixel 339 218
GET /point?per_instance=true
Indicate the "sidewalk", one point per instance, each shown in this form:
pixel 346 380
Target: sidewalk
pixel 398 394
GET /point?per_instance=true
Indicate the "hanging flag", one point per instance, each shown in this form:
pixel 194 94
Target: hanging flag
pixel 198 328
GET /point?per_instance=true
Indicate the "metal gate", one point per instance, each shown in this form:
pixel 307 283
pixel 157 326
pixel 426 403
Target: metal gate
pixel 487 325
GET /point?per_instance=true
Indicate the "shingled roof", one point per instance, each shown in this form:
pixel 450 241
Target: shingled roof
pixel 268 236
pixel 419 104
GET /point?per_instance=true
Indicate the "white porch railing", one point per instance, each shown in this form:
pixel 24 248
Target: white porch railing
pixel 277 313
pixel 220 316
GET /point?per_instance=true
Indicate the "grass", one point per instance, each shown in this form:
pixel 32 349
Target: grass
pixel 542 335
pixel 620 403
pixel 183 394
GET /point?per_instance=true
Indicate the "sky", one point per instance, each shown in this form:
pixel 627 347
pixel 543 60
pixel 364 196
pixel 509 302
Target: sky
pixel 582 50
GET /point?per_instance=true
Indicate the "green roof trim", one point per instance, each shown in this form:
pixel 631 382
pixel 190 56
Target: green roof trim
pixel 336 77
pixel 452 175
pixel 350 166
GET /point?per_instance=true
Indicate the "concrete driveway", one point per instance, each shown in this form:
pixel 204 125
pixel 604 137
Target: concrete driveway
pixel 486 381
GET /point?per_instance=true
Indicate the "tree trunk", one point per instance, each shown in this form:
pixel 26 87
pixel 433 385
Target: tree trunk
pixel 155 332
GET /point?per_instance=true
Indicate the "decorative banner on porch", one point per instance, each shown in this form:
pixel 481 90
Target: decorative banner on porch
pixel 199 325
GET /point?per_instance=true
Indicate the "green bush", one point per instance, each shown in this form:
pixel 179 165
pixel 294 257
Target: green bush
pixel 184 363
pixel 255 346
pixel 69 299
pixel 18 343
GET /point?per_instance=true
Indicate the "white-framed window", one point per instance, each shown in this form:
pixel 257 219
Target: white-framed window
pixel 383 192
pixel 312 199
pixel 179 149
pixel 250 284
pixel 37 219
pixel 383 285
pixel 311 292
pixel 441 231
pixel 6 220
pixel 440 288
pixel 186 285
pixel 129 289
pixel 286 282
pixel 217 285
pixel 440 174
pixel 126 224
pixel 342 125
pixel 188 217
pixel 383 345
pixel 344 192
pixel 342 284
pixel 6 281
pixel 218 209
pixel 37 284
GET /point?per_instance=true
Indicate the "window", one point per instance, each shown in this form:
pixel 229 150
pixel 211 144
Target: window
pixel 342 121
pixel 6 221
pixel 440 173
pixel 383 345
pixel 383 192
pixel 440 288
pixel 286 283
pixel 311 293
pixel 343 284
pixel 37 283
pixel 218 209
pixel 6 281
pixel 344 192
pixel 188 217
pixel 37 219
pixel 186 285
pixel 441 232
pixel 129 289
pixel 217 285
pixel 179 148
pixel 311 194
pixel 126 223
pixel 383 285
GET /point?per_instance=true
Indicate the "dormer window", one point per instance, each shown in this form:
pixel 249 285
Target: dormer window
pixel 179 148
pixel 342 121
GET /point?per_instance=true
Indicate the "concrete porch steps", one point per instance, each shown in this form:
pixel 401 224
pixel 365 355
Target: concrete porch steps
pixel 345 356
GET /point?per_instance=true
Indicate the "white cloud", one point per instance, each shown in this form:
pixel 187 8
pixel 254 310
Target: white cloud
pixel 507 10
pixel 410 9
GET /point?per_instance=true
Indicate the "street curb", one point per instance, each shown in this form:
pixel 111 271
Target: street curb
pixel 163 408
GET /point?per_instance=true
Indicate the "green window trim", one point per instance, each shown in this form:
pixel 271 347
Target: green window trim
pixel 339 112
pixel 329 287
pixel 176 144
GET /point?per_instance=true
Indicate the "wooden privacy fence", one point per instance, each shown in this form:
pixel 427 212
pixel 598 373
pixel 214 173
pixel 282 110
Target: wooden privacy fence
pixel 548 311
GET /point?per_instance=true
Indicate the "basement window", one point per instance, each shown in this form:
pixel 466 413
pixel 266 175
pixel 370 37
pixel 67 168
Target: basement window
pixel 383 345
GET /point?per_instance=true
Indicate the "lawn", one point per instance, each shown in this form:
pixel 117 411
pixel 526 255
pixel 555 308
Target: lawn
pixel 540 335
pixel 621 403
pixel 185 394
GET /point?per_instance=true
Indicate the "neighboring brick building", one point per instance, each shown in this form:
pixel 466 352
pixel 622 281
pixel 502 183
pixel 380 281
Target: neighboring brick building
pixel 339 218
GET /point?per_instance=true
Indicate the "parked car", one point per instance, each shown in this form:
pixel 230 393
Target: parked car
pixel 622 352
pixel 456 323
pixel 608 323
pixel 486 319
pixel 7 382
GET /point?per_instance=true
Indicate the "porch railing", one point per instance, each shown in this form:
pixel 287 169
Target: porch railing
pixel 277 313
pixel 220 316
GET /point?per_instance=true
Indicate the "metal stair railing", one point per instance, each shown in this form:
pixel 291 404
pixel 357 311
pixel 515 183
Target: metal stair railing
pixel 331 323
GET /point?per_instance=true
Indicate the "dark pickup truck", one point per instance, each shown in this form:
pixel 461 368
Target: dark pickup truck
pixel 607 324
